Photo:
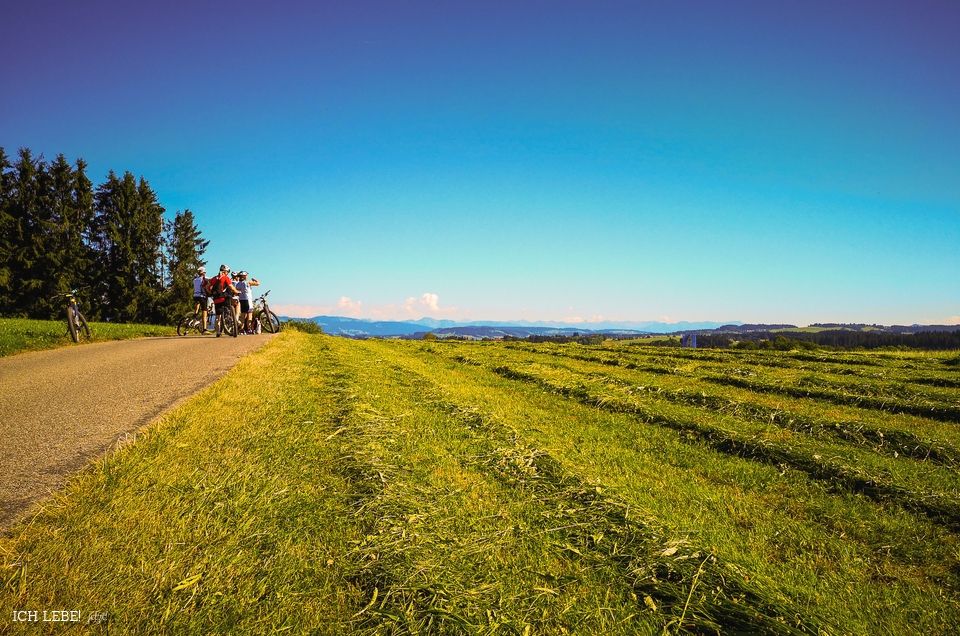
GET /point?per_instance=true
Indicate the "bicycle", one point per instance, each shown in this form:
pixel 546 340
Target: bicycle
pixel 76 324
pixel 226 320
pixel 191 322
pixel 262 314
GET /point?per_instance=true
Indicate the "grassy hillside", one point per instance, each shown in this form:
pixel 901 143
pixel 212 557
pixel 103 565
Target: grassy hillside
pixel 23 334
pixel 381 487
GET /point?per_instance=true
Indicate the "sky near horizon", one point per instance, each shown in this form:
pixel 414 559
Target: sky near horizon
pixel 756 161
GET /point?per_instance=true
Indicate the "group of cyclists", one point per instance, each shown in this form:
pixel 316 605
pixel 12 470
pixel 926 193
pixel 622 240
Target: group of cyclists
pixel 233 293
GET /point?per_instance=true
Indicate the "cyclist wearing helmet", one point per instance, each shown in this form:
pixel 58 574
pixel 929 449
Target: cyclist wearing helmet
pixel 246 307
pixel 199 295
pixel 221 288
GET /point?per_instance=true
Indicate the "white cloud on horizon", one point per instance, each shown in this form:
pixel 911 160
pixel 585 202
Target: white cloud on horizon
pixel 427 305
pixel 953 320
pixel 427 302
pixel 349 306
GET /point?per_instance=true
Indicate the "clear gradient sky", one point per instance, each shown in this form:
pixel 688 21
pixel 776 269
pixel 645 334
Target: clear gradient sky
pixel 776 161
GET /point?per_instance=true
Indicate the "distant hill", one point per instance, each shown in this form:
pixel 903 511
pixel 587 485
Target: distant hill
pixel 361 328
pixel 480 332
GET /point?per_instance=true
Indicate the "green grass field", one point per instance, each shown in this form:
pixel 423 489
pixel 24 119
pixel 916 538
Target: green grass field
pixel 382 487
pixel 24 334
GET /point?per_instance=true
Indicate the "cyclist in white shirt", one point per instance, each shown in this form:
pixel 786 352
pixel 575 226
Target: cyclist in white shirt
pixel 245 289
pixel 200 296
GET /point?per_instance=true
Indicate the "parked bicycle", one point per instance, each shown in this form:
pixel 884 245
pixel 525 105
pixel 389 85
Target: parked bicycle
pixel 192 322
pixel 262 314
pixel 76 324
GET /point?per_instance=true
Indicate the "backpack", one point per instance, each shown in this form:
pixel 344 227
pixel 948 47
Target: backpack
pixel 216 288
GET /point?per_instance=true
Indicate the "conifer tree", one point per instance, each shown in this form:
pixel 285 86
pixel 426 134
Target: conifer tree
pixel 186 247
pixel 6 232
pixel 115 202
pixel 27 227
pixel 81 254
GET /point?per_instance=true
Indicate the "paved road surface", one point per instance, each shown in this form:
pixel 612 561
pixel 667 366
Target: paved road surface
pixel 60 408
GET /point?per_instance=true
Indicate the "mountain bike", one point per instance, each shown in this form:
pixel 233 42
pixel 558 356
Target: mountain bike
pixel 226 320
pixel 190 323
pixel 76 324
pixel 262 314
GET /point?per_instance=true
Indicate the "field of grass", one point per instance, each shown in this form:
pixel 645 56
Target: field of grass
pixel 386 487
pixel 23 334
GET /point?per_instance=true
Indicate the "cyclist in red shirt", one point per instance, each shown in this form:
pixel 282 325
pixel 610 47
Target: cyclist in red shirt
pixel 221 288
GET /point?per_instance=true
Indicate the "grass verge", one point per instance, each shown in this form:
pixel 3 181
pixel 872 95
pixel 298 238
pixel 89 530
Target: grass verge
pixel 23 334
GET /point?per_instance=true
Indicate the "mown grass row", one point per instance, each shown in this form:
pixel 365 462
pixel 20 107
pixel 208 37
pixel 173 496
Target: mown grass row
pixel 665 573
pixel 449 548
pixel 23 334
pixel 878 381
pixel 755 513
pixel 938 505
pixel 928 489
pixel 943 412
pixel 886 441
pixel 879 436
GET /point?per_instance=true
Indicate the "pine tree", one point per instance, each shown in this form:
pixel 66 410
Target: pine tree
pixel 54 265
pixel 148 250
pixel 114 202
pixel 28 224
pixel 7 229
pixel 81 255
pixel 186 247
pixel 130 226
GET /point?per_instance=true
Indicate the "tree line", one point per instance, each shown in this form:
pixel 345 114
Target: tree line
pixel 112 241
pixel 835 339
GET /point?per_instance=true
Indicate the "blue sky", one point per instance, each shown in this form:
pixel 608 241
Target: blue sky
pixel 754 161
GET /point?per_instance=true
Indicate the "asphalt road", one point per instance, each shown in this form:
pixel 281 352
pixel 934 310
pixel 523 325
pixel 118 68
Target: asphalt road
pixel 63 407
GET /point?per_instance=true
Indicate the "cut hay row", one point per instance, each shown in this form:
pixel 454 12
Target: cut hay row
pixel 662 572
pixel 883 389
pixel 885 441
pixel 882 382
pixel 940 412
pixel 881 437
pixel 878 380
pixel 443 550
pixel 731 502
pixel 937 506
pixel 610 361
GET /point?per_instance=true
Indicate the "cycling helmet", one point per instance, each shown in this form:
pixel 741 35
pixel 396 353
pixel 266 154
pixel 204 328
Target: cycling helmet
pixel 201 270
pixel 224 268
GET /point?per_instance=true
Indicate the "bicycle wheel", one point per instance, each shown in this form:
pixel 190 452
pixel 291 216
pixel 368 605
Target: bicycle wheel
pixel 270 322
pixel 82 327
pixel 230 324
pixel 184 326
pixel 72 325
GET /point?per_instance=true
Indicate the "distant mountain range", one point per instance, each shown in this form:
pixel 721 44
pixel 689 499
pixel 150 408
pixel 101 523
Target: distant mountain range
pixel 360 328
